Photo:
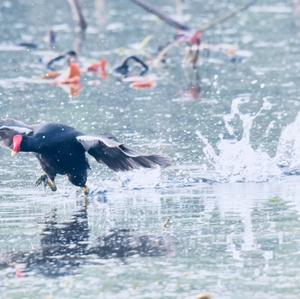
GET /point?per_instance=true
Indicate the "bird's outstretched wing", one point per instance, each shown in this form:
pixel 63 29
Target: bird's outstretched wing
pixel 117 156
pixel 10 127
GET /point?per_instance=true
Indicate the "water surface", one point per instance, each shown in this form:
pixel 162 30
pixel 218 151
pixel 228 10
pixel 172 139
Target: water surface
pixel 224 219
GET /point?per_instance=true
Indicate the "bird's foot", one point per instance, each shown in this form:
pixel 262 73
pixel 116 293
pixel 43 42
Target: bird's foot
pixel 44 179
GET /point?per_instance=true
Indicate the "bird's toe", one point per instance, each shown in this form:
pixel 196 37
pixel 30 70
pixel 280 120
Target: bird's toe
pixel 46 181
pixel 42 179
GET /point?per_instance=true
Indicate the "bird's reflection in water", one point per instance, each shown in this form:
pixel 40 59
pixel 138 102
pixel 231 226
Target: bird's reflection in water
pixel 124 243
pixel 64 247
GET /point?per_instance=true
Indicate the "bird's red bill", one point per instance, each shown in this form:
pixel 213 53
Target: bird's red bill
pixel 17 140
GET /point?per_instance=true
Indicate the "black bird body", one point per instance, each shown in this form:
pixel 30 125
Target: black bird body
pixel 58 152
pixel 61 149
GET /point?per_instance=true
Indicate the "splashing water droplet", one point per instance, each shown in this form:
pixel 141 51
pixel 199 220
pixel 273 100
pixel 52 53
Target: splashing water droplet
pixel 237 161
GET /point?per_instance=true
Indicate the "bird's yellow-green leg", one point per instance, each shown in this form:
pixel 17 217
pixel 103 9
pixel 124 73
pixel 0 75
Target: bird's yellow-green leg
pixel 46 181
pixel 52 185
pixel 86 190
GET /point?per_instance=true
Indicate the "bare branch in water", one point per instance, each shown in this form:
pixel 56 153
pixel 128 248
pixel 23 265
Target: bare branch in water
pixel 79 41
pixel 77 14
pixel 227 17
pixel 78 17
pixel 155 11
pixel 52 39
pixel 162 53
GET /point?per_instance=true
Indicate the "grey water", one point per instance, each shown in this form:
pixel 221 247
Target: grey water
pixel 223 219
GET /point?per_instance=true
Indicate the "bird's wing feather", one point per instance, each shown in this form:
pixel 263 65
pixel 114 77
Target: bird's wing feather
pixel 117 156
pixel 10 127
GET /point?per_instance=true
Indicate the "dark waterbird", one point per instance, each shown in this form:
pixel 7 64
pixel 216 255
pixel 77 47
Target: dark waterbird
pixel 124 68
pixel 61 149
pixel 68 57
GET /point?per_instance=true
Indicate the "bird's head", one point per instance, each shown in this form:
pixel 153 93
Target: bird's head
pixel 17 141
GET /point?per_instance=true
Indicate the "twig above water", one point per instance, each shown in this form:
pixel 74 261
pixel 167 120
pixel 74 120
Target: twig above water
pixel 162 53
pixel 227 17
pixel 78 17
pixel 155 11
pixel 77 14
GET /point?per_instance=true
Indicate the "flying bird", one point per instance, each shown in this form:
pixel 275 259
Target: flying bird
pixel 62 150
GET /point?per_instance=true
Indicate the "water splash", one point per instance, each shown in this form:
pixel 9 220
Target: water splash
pixel 237 161
pixel 288 151
pixel 140 178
